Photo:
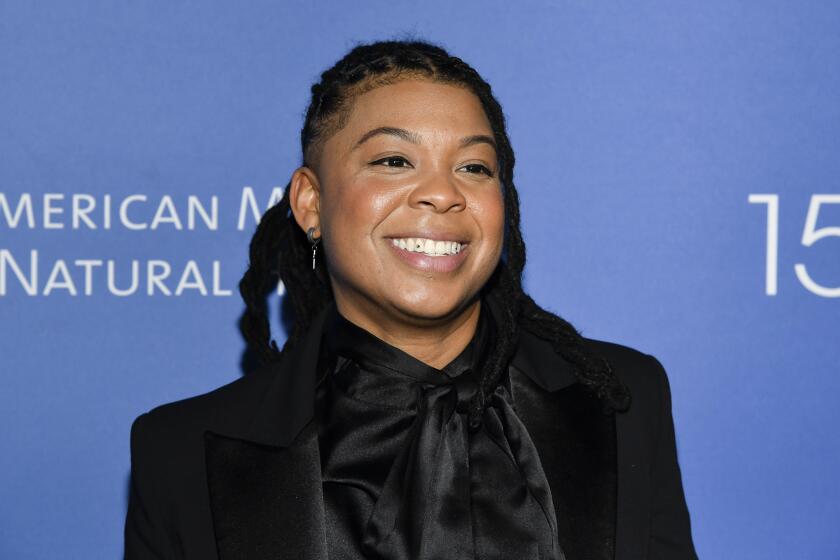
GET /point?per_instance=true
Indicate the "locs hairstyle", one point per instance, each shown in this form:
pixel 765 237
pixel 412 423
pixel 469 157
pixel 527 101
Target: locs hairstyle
pixel 279 249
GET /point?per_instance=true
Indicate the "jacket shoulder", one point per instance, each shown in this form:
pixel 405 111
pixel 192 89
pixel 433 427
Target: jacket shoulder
pixel 647 451
pixel 642 374
pixel 168 489
pixel 637 369
pixel 175 428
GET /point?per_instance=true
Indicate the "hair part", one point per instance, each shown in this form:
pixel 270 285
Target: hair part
pixel 280 250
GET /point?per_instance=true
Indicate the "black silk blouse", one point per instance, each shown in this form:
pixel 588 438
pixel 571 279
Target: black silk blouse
pixel 403 476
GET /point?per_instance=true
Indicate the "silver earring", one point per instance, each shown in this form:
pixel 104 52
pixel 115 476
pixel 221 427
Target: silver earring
pixel 314 242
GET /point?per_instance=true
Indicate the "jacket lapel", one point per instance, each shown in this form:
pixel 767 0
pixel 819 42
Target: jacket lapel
pixel 576 443
pixel 577 448
pixel 266 501
pixel 264 480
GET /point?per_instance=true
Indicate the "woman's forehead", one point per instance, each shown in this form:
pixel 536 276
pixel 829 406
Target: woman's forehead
pixel 426 110
pixel 412 97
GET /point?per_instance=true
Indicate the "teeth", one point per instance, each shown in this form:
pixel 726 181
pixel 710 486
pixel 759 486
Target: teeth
pixel 429 247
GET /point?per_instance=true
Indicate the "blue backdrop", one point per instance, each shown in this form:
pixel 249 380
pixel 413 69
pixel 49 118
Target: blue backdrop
pixel 678 168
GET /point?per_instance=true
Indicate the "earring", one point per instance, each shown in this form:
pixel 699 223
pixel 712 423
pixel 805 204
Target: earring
pixel 314 242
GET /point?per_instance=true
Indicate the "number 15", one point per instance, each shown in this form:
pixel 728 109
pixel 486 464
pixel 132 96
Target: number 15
pixel 810 235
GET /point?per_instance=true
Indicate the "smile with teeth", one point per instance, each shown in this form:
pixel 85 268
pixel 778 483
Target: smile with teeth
pixel 428 247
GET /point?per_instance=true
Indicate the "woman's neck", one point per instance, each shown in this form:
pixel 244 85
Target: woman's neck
pixel 435 342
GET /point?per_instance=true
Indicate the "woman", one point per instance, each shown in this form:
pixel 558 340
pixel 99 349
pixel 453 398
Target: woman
pixel 423 405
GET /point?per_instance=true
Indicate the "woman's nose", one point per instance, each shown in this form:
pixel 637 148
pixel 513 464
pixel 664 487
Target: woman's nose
pixel 439 191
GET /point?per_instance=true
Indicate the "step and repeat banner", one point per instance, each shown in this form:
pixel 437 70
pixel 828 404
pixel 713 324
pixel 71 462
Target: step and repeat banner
pixel 679 171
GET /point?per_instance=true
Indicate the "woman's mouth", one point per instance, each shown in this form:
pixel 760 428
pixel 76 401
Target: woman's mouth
pixel 429 255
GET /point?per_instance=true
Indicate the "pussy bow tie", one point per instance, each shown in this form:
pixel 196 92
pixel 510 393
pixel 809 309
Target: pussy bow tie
pixel 450 493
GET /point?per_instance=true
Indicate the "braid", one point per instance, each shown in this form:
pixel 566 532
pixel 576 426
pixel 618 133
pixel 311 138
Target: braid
pixel 280 250
pixel 258 280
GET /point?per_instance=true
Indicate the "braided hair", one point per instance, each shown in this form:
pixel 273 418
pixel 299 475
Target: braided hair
pixel 279 249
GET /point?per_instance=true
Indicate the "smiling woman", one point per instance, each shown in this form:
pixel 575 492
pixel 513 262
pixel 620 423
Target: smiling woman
pixel 430 180
pixel 423 406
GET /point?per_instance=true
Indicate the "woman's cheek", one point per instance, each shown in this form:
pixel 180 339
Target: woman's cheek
pixel 490 211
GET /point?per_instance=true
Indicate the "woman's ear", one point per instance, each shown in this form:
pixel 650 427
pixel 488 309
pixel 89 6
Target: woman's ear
pixel 305 198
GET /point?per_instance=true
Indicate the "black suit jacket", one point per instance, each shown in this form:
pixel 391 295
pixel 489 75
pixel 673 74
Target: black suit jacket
pixel 235 473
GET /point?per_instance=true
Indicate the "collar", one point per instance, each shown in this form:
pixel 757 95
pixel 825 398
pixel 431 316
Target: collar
pixel 344 339
pixel 287 405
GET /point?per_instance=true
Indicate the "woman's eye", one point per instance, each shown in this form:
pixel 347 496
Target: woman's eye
pixel 479 168
pixel 391 160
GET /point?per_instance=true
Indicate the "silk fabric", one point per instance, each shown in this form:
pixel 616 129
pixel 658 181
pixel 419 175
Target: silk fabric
pixel 403 476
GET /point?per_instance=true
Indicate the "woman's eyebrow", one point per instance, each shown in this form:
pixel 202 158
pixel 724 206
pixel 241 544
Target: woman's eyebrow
pixel 478 139
pixel 407 135
pixel 415 138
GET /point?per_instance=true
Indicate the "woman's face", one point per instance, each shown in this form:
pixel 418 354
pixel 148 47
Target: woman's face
pixel 415 162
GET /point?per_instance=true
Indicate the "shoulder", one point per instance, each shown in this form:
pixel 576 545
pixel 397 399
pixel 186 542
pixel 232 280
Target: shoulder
pixel 172 429
pixel 643 375
pixel 650 395
pixel 640 371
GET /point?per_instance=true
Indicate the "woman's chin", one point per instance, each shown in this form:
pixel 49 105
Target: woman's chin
pixel 430 307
